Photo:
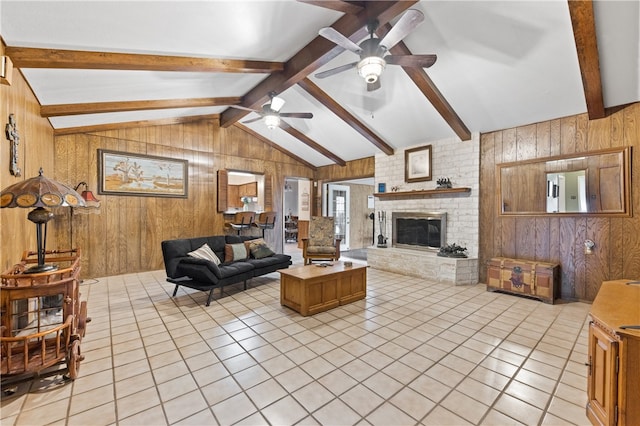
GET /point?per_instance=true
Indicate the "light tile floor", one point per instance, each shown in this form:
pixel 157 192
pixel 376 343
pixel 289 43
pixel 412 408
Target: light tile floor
pixel 412 352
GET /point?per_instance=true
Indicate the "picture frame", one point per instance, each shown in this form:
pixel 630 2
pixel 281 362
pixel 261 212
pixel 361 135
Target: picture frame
pixel 417 164
pixel 124 173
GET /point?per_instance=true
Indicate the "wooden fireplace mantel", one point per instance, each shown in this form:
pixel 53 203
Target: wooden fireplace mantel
pixel 422 193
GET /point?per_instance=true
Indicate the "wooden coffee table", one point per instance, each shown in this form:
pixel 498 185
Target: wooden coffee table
pixel 311 289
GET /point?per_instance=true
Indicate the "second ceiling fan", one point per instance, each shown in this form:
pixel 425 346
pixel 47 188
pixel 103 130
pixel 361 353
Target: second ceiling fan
pixel 271 114
pixel 373 51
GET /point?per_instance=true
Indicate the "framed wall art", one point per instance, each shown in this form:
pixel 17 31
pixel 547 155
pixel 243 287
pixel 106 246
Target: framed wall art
pixel 417 164
pixel 123 173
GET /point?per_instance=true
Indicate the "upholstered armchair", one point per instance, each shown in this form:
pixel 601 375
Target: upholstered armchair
pixel 321 244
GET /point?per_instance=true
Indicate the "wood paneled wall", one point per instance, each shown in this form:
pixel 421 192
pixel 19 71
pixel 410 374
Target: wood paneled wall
pixel 35 150
pixel 125 236
pixel 561 239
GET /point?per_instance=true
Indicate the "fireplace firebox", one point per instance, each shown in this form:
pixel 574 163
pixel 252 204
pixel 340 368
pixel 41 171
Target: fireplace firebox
pixel 419 230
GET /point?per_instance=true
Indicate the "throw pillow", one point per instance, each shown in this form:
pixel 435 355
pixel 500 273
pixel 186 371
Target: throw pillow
pixel 233 252
pixel 248 243
pixel 259 249
pixel 205 253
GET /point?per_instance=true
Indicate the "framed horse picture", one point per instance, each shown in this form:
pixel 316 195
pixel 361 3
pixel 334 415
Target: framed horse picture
pixel 123 173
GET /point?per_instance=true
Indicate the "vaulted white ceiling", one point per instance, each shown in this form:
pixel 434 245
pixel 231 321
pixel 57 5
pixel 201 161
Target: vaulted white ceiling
pixel 500 64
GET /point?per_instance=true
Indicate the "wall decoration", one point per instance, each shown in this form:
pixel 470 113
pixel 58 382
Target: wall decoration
pixel 417 164
pixel 11 131
pixel 122 173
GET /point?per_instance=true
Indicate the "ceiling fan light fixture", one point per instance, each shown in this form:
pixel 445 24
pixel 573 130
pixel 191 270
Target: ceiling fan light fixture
pixel 276 103
pixel 370 68
pixel 272 121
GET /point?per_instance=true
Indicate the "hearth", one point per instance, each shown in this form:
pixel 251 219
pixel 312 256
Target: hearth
pixel 419 230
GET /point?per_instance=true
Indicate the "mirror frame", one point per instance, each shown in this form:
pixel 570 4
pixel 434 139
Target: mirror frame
pixel 626 211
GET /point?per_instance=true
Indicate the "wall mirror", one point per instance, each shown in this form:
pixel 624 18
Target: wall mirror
pixel 594 183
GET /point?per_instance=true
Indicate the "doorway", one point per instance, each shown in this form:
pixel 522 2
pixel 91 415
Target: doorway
pixel 338 206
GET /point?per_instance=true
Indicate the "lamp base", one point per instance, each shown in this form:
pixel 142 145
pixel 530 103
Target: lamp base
pixel 40 268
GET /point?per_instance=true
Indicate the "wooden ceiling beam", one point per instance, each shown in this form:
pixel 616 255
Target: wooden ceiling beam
pixel 130 124
pixel 274 145
pixel 584 34
pixel 350 7
pixel 429 90
pixel 124 106
pixel 311 143
pixel 28 57
pixel 314 55
pixel 326 100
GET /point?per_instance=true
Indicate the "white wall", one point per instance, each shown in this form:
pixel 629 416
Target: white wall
pixel 452 158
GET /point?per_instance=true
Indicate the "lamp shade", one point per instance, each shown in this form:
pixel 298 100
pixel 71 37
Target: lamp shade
pixel 370 68
pixel 272 121
pixel 40 191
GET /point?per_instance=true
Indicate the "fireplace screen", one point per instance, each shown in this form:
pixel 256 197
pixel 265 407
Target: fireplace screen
pixel 419 230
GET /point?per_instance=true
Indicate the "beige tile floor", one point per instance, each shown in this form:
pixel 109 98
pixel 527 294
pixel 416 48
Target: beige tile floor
pixel 412 352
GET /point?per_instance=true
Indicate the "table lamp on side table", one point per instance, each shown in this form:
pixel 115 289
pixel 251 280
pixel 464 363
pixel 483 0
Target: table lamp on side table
pixel 40 192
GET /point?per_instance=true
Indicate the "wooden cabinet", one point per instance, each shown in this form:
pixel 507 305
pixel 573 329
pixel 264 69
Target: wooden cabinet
pixel 613 383
pixel 233 197
pixel 249 189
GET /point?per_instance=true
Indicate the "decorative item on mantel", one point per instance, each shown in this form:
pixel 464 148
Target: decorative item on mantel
pixel 382 218
pixel 452 250
pixel 443 183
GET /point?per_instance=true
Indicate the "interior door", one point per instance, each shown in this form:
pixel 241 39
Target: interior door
pixel 338 206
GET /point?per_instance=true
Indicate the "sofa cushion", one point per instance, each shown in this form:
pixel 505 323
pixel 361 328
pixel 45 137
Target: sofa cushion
pixel 235 268
pixel 205 252
pixel 235 252
pixel 321 250
pixel 258 248
pixel 199 269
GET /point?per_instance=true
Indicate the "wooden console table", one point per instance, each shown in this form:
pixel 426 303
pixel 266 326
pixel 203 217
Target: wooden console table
pixel 311 289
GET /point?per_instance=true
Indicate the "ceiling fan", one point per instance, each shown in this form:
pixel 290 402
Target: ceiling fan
pixel 373 51
pixel 271 112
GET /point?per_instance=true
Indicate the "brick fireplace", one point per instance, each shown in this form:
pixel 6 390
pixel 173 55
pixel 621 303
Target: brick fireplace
pixel 460 162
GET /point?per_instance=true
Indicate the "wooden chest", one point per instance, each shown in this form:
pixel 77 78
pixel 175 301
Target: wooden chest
pixel 524 277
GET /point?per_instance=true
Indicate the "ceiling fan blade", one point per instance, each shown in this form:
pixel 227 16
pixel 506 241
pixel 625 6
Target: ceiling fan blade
pixel 336 70
pixel 253 120
pixel 374 86
pixel 244 108
pixel 410 20
pixel 417 61
pixel 297 114
pixel 332 35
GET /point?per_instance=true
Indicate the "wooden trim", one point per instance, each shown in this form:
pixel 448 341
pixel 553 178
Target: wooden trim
pixel 28 57
pixel 311 143
pixel 345 115
pixel 314 55
pixel 101 107
pixel 274 145
pixel 584 34
pixel 430 91
pixel 130 124
pixel 352 7
pixel 222 190
pixel 422 193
